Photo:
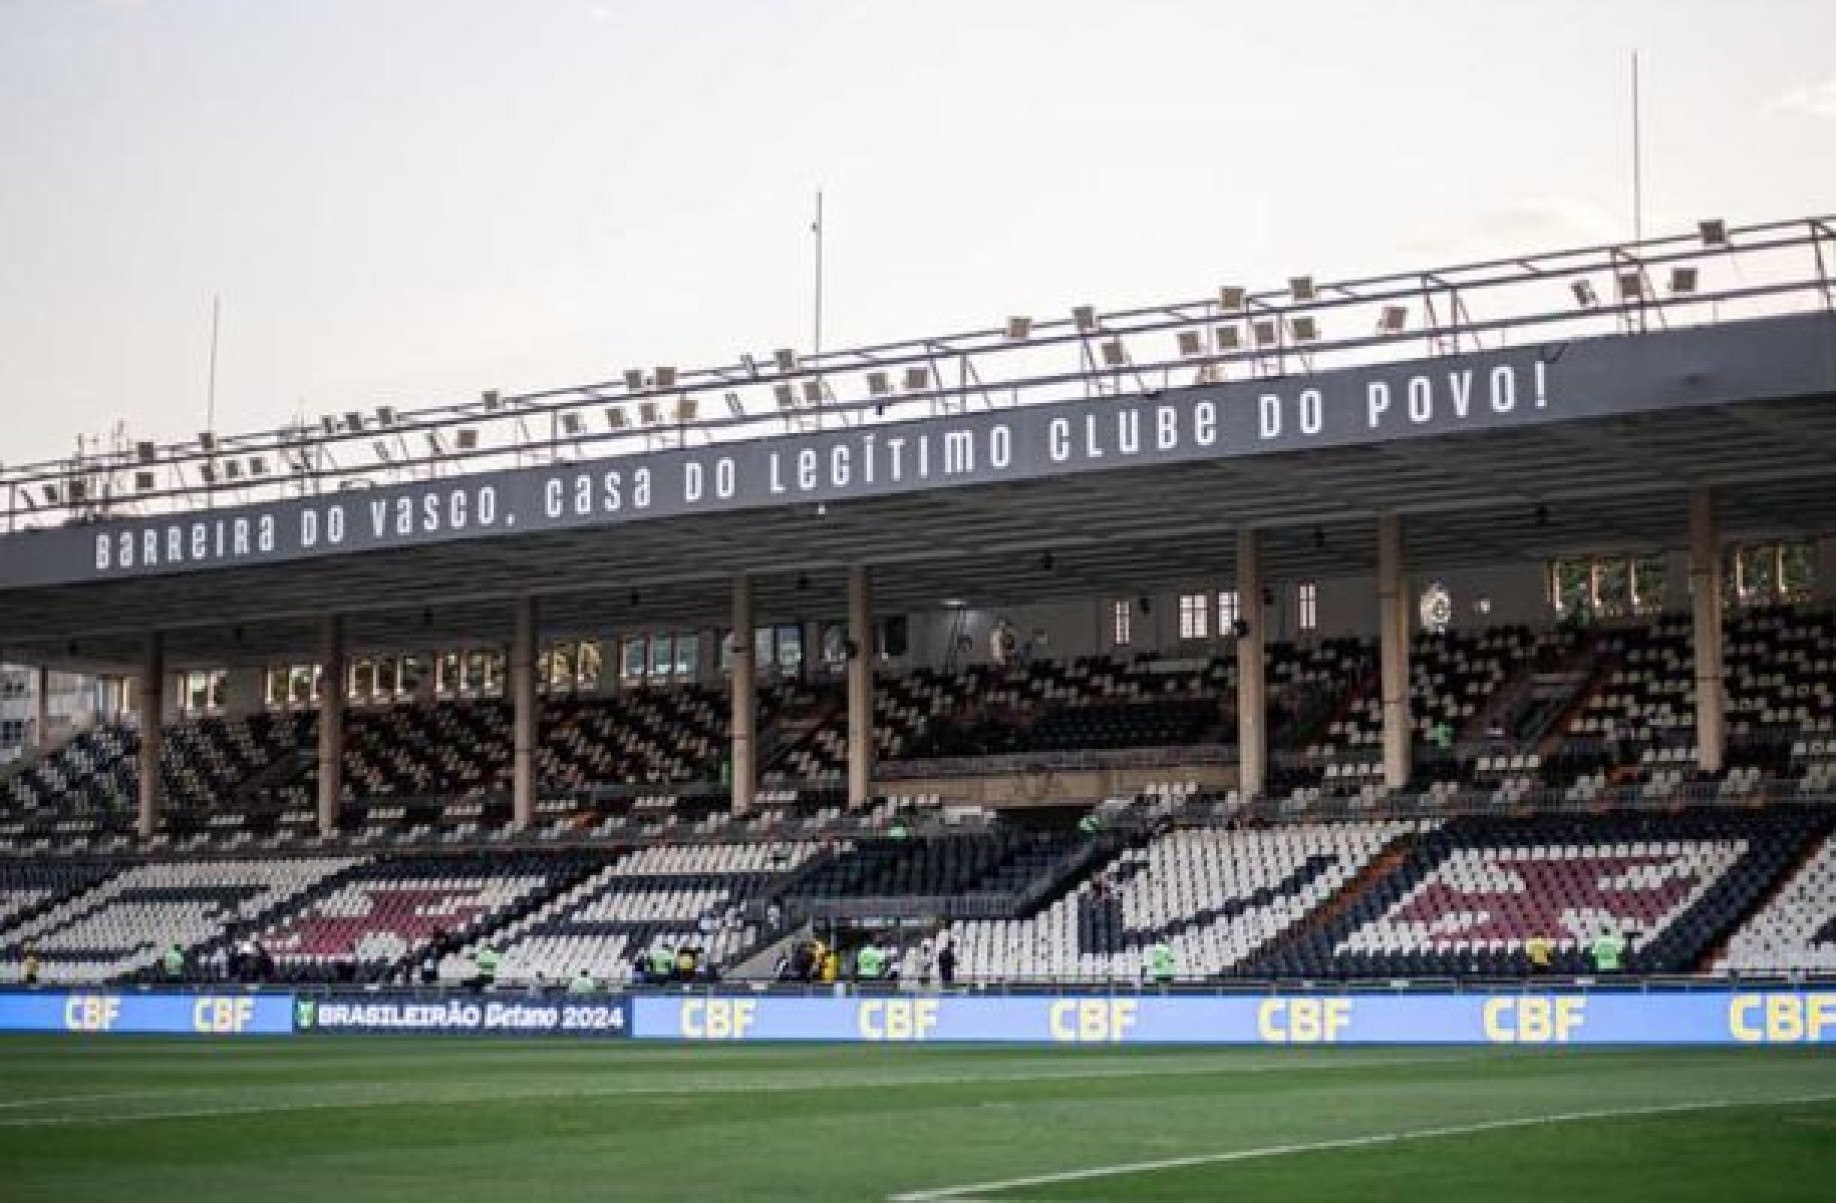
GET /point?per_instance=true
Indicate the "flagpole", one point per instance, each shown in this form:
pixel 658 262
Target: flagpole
pixel 816 229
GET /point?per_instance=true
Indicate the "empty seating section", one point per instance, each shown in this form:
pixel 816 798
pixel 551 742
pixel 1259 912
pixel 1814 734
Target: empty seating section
pixel 999 861
pixel 1795 930
pixel 1471 894
pixel 388 911
pixel 1215 896
pixel 121 926
pixel 688 895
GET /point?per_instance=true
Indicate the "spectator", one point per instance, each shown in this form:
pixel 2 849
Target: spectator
pixel 29 970
pixel 174 963
pixel 1538 950
pixel 1160 962
pixel 583 983
pixel 946 966
pixel 662 963
pixel 1608 951
pixel 1090 824
pixel 687 959
pixel 484 967
pixel 869 962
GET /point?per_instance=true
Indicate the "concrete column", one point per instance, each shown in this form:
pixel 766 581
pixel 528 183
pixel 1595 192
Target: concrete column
pixel 41 709
pixel 1393 637
pixel 1252 684
pixel 331 722
pixel 151 701
pixel 1705 608
pixel 525 709
pixel 860 687
pixel 744 689
pixel 243 690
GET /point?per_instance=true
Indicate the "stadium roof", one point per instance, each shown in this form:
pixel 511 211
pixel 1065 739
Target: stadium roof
pixel 1660 408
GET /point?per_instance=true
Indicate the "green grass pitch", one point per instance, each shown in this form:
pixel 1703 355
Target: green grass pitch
pixel 404 1120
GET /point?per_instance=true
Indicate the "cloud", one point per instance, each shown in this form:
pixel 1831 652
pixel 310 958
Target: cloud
pixel 1812 100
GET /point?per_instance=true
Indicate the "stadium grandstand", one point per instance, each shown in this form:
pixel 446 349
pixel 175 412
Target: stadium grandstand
pixel 1378 628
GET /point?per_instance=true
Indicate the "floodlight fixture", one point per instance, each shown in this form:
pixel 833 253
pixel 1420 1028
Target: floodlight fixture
pixel 1265 332
pixel 328 423
pixel 1683 281
pixel 493 400
pixel 571 424
pixel 385 415
pixel 1191 344
pixel 1085 318
pixel 615 418
pixel 812 390
pixel 381 448
pixel 1301 288
pixel 734 407
pixel 353 420
pixel 1393 319
pixel 465 439
pixel 232 469
pixel 785 358
pixel 207 440
pixel 749 363
pixel 1305 328
pixel 435 443
pixel 50 494
pixel 144 481
pixel 1585 296
pixel 634 379
pixel 1227 338
pixel 1019 329
pixel 1631 286
pixel 917 378
pixel 1231 298
pixel 785 396
pixel 666 377
pixel 1713 232
pixel 879 384
pixel 258 465
pixel 1115 355
pixel 145 451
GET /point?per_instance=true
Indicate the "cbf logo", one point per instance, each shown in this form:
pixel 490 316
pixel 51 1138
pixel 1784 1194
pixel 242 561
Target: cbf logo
pixel 305 1014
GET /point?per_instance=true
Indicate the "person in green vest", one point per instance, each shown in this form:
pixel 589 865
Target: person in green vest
pixel 1609 952
pixel 1090 824
pixel 174 963
pixel 583 983
pixel 1160 962
pixel 484 966
pixel 870 962
pixel 899 831
pixel 662 963
pixel 1441 735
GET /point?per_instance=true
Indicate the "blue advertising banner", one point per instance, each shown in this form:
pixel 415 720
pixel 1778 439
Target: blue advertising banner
pixel 372 1014
pixel 1729 1017
pixel 146 1014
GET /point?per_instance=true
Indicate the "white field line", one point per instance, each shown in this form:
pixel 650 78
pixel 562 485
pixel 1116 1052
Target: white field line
pixel 976 1190
pixel 728 1086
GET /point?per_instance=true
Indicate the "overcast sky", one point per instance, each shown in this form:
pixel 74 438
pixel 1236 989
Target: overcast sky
pixel 404 203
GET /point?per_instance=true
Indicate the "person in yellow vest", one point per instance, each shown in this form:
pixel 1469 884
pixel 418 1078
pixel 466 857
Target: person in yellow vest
pixel 831 966
pixel 1540 953
pixel 29 971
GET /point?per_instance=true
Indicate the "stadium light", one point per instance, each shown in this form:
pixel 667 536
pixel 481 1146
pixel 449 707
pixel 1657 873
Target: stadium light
pixel 666 377
pixel 879 384
pixel 144 481
pixel 1713 232
pixel 353 420
pixel 146 452
pixel 634 380
pixel 786 359
pixel 734 407
pixel 615 418
pixel 1301 288
pixel 1227 338
pixel 570 424
pixel 1683 281
pixel 328 423
pixel 750 364
pixel 1191 344
pixel 436 443
pixel 207 440
pixel 385 415
pixel 1585 296
pixel 466 439
pixel 381 448
pixel 812 390
pixel 917 379
pixel 1230 298
pixel 1115 355
pixel 1393 319
pixel 1305 328
pixel 493 400
pixel 1084 316
pixel 1019 329
pixel 258 465
pixel 786 398
pixel 1265 332
pixel 1631 286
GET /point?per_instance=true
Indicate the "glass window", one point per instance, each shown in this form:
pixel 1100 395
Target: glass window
pixel 363 680
pixel 688 654
pixel 274 687
pixel 1612 586
pixel 1122 618
pixel 411 675
pixel 1650 583
pixel 300 680
pixel 1194 616
pixel 637 651
pixel 788 654
pixel 662 655
pixel 1228 612
pixel 1797 570
pixel 588 665
pixel 1309 595
pixel 1571 586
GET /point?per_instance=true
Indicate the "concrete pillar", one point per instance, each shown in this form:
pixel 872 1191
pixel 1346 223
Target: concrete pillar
pixel 151 700
pixel 331 722
pixel 1393 643
pixel 1705 608
pixel 41 709
pixel 860 687
pixel 525 709
pixel 1252 685
pixel 244 687
pixel 744 690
